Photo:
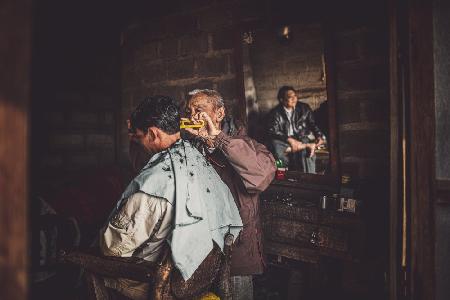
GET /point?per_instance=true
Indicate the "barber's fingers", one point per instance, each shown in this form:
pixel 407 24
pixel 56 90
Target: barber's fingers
pixel 202 132
pixel 197 132
pixel 192 131
pixel 195 117
pixel 204 116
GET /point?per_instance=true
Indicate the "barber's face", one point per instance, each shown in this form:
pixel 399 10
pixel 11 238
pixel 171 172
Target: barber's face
pixel 290 99
pixel 200 103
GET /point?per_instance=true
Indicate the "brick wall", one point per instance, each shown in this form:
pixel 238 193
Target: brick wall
pixel 361 60
pixel 190 47
pixel 362 86
pixel 362 77
pixel 297 63
pixel 76 90
pixel 270 64
pixel 85 84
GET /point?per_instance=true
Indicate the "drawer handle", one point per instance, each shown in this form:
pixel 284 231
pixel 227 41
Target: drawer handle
pixel 314 239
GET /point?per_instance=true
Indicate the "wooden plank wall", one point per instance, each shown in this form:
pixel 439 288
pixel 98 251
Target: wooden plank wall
pixel 15 55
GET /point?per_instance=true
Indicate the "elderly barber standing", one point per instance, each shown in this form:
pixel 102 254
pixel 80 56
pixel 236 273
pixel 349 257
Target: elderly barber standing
pixel 247 168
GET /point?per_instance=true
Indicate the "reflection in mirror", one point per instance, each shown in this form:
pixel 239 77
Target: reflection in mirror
pixel 286 95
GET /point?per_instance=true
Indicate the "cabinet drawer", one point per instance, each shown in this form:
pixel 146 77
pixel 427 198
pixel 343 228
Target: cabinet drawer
pixel 305 234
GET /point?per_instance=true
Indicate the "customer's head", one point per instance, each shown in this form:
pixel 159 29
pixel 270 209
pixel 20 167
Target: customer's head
pixel 209 101
pixel 287 96
pixel 155 123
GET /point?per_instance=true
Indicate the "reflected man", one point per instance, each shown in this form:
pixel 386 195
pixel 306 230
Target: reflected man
pixel 293 133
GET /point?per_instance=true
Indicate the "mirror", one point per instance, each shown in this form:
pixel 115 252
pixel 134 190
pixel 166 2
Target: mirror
pixel 285 82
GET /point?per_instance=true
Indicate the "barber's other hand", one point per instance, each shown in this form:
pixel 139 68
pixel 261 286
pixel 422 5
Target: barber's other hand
pixel 209 131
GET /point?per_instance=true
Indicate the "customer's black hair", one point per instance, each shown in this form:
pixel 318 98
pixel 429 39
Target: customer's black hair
pixel 158 111
pixel 282 91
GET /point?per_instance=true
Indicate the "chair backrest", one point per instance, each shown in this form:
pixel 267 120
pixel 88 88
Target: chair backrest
pixel 203 278
pixel 212 274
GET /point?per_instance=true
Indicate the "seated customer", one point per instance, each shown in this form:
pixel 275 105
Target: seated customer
pixel 293 134
pixel 177 197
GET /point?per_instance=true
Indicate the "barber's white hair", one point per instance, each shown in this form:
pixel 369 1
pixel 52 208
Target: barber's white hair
pixel 196 91
pixel 211 94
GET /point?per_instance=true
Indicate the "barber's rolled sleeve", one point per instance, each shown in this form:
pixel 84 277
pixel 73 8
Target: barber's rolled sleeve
pixel 133 224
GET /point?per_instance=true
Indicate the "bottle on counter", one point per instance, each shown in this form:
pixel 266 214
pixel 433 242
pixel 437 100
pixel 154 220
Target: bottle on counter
pixel 329 202
pixel 280 173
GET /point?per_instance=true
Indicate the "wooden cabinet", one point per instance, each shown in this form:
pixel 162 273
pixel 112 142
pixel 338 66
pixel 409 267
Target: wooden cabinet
pixel 295 227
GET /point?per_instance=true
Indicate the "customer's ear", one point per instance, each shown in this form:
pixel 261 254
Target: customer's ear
pixel 220 113
pixel 152 133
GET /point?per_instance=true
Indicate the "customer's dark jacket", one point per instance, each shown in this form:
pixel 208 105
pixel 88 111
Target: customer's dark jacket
pixel 303 120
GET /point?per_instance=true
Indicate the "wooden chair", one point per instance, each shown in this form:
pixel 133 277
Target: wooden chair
pixel 213 274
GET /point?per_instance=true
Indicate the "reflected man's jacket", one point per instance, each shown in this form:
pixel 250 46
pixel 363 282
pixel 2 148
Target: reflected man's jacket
pixel 304 126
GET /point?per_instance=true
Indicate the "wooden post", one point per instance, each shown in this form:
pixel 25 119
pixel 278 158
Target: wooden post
pixel 420 155
pixel 15 56
pixel 396 157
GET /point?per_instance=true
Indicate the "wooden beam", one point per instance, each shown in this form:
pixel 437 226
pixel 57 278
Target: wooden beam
pixel 396 119
pixel 15 56
pixel 421 156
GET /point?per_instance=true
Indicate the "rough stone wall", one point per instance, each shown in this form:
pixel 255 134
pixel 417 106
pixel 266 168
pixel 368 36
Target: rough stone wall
pixel 192 47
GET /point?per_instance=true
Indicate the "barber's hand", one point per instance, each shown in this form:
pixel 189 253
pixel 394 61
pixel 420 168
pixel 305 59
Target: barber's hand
pixel 207 132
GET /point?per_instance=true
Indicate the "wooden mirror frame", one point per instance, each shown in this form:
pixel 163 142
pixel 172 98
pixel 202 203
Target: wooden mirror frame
pixel 297 178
